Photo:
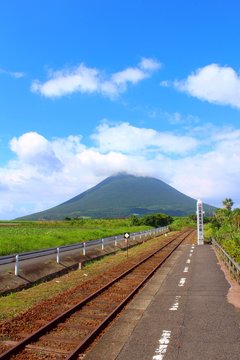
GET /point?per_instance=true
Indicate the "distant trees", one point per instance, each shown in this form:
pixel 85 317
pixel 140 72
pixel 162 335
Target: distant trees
pixel 225 215
pixel 228 203
pixel 224 227
pixel 155 220
pixel 193 217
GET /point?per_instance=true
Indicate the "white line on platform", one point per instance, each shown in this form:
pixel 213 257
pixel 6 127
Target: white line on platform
pixel 185 269
pixel 176 304
pixel 188 261
pixel 182 282
pixel 163 344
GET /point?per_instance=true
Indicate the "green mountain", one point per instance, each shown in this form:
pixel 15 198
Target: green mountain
pixel 121 196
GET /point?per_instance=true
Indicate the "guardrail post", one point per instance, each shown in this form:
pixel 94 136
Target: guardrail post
pixel 115 243
pixel 58 255
pixel 102 244
pixel 17 265
pixel 84 248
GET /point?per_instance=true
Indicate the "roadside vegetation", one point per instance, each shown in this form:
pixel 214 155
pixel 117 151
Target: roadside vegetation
pixel 22 236
pixel 182 222
pixel 224 227
pixel 153 220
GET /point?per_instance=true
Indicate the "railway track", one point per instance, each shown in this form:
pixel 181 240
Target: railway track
pixel 70 333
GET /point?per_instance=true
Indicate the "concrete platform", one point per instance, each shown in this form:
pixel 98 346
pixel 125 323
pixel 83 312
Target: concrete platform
pixel 182 313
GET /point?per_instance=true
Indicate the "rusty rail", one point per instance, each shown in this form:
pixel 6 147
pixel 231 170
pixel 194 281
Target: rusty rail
pixel 61 318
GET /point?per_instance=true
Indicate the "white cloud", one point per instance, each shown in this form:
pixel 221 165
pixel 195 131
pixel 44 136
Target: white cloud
pixel 34 149
pixel 179 119
pixel 212 83
pixel 165 83
pixel 213 175
pixel 129 139
pixel 65 148
pixel 14 74
pixel 91 80
pixel 80 79
pixel 46 172
pixel 149 64
pixel 17 74
pixel 128 75
pixel 134 75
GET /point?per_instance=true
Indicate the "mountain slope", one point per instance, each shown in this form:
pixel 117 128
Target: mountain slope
pixel 121 196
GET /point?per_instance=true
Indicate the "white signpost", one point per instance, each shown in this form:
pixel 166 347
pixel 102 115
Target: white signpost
pixel 126 237
pixel 200 213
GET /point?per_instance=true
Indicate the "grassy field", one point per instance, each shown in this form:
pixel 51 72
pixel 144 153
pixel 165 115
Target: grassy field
pixel 22 236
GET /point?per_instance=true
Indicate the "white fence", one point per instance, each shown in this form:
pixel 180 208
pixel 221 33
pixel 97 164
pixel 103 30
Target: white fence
pixel 83 246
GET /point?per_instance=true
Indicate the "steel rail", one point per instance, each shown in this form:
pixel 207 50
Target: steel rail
pixel 88 340
pixel 62 317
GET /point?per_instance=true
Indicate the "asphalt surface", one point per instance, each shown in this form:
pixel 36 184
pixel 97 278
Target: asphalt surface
pixel 181 314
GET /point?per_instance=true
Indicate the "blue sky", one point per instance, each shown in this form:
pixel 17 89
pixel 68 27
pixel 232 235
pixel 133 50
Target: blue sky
pixel 92 88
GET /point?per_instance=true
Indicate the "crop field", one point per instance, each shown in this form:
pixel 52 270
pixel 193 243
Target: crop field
pixel 17 237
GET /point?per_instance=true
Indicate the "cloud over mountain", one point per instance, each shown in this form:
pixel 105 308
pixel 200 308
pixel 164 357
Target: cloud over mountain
pixel 45 172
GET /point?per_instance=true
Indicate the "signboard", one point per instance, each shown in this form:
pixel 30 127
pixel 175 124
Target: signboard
pixel 126 237
pixel 200 213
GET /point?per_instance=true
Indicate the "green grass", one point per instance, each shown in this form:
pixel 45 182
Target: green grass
pixel 232 247
pixel 181 222
pixel 22 236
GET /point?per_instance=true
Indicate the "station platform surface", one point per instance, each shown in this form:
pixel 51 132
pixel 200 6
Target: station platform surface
pixel 181 314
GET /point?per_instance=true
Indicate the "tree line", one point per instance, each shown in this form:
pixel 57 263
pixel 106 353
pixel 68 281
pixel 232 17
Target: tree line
pixel 154 220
